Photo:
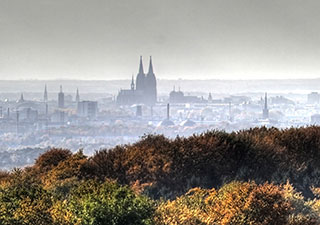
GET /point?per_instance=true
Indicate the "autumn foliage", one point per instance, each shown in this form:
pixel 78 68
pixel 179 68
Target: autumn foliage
pixel 255 176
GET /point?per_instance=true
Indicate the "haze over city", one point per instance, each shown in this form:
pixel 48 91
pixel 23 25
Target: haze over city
pixel 159 112
pixel 209 39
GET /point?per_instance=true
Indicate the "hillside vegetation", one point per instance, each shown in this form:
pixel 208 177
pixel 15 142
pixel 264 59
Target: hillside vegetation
pixel 256 176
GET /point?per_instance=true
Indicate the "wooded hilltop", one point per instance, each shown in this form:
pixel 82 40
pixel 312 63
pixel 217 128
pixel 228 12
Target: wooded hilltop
pixel 256 176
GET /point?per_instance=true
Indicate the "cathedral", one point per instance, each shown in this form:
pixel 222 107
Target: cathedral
pixel 143 90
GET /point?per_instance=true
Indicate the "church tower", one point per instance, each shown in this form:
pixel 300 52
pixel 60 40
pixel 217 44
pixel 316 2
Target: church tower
pixel 151 86
pixel 61 98
pixel 132 83
pixel 77 96
pixel 140 81
pixel 45 95
pixel 21 98
pixel 265 112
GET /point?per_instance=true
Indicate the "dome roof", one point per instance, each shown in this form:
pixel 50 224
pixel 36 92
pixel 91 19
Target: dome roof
pixel 188 123
pixel 166 123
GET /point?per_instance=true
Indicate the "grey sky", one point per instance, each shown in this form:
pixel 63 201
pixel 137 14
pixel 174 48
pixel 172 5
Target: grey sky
pixel 214 39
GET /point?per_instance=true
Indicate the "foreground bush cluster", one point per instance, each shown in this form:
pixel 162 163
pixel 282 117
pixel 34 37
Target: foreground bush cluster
pixel 256 176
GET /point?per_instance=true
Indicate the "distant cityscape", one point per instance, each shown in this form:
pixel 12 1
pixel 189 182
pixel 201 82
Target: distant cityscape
pixel 71 121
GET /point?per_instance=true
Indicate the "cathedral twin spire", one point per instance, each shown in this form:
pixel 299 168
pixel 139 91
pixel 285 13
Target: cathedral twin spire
pixel 142 78
pixel 146 83
pixel 141 71
pixel 143 89
pixel 150 66
pixel 141 66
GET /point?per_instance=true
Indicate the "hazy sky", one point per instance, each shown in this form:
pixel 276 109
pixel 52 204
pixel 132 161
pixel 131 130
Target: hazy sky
pixel 214 39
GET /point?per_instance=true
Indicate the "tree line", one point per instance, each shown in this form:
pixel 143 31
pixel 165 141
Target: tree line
pixel 256 176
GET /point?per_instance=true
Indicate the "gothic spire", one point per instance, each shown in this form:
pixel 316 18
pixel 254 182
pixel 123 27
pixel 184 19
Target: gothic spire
pixel 132 83
pixel 21 98
pixel 77 96
pixel 141 66
pixel 45 96
pixel 150 66
pixel 140 81
pixel 266 101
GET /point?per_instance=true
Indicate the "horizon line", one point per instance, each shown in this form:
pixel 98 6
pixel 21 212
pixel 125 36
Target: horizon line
pixel 166 79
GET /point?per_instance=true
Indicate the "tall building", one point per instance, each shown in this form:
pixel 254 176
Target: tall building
pixel 61 98
pixel 143 91
pixel 150 90
pixel 210 97
pixel 313 98
pixel 87 109
pixel 140 82
pixel 265 112
pixel 21 98
pixel 77 96
pixel 45 95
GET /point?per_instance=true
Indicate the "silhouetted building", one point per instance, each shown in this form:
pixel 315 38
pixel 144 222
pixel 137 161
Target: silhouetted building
pixel 210 98
pixel 176 96
pixel 313 98
pixel 265 112
pixel 77 96
pixel 139 111
pixel 61 98
pixel 87 109
pixel 145 91
pixel 281 100
pixel 179 97
pixel 21 98
pixel 45 95
pixel 59 116
pixel 235 99
pixel 315 119
pixel 150 89
pixel 28 115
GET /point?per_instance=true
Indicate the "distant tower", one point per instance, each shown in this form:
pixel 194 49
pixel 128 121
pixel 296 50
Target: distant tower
pixel 47 110
pixel 77 96
pixel 230 113
pixel 21 98
pixel 139 111
pixel 17 121
pixel 45 95
pixel 132 84
pixel 151 86
pixel 61 98
pixel 210 98
pixel 265 112
pixel 168 111
pixel 140 81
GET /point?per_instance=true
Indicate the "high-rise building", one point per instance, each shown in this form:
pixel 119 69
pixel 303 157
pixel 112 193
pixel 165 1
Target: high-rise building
pixel 87 109
pixel 61 98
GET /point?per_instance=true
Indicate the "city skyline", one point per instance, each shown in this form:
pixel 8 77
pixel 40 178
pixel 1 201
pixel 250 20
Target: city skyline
pixel 102 40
